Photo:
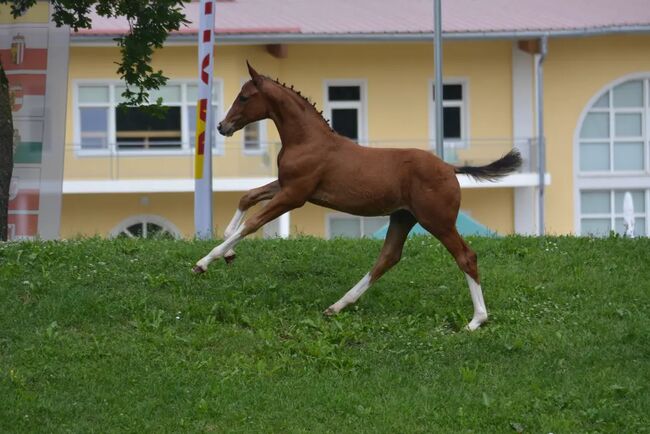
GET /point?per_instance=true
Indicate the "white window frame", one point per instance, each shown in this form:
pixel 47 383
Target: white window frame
pixel 612 112
pixel 263 134
pixel 361 106
pixel 613 215
pixel 187 142
pixel 146 218
pixel 463 142
pixel 340 215
pixel 611 180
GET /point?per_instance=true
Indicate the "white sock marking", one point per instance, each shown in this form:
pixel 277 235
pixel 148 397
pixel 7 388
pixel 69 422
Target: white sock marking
pixel 232 227
pixel 352 295
pixel 219 251
pixel 480 311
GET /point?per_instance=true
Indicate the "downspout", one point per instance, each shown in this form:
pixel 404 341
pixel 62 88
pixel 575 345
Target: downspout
pixel 437 60
pixel 541 141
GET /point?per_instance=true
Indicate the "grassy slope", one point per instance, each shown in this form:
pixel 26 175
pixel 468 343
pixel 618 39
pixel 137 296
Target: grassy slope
pixel 108 336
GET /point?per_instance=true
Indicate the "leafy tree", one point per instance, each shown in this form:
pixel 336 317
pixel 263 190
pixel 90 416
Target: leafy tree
pixel 6 151
pixel 150 24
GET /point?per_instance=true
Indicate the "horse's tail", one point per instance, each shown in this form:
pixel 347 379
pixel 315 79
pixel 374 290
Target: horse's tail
pixel 495 170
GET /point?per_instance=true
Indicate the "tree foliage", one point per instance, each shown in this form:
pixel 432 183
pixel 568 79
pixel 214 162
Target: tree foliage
pixel 150 23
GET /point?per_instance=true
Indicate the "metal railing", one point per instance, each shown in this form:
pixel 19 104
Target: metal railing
pixel 230 160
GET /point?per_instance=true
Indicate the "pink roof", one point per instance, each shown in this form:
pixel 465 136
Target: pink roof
pixel 350 17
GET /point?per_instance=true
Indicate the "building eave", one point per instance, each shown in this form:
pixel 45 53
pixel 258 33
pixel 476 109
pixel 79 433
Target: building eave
pixel 288 38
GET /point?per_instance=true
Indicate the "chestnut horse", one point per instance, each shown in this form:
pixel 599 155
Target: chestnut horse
pixel 319 166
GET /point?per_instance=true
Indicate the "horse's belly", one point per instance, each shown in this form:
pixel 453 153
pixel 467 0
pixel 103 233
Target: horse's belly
pixel 358 202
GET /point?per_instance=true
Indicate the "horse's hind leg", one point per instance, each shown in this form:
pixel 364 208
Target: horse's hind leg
pixel 401 223
pixel 466 260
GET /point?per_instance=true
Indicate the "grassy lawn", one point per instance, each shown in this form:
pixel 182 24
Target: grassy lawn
pixel 118 336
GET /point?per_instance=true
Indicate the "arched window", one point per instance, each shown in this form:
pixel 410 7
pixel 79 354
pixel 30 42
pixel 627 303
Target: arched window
pixel 613 144
pixel 145 226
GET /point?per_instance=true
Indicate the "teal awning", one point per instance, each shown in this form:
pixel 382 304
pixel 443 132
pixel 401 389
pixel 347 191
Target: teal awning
pixel 464 224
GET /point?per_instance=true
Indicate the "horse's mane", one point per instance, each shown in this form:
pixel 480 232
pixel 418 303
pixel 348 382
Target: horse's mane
pixel 305 99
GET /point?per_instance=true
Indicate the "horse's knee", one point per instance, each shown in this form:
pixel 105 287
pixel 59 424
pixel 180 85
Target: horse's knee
pixel 471 264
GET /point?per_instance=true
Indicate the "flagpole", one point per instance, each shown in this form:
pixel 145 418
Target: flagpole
pixel 204 120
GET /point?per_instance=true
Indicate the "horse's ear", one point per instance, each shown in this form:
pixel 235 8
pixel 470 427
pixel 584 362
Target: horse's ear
pixel 257 79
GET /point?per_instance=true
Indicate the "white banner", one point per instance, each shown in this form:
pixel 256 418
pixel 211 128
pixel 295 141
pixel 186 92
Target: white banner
pixel 35 56
pixel 204 127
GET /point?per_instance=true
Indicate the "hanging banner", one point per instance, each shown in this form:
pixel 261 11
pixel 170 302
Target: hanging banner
pixel 204 124
pixel 34 53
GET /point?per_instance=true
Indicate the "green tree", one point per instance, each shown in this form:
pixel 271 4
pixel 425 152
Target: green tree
pixel 150 24
pixel 6 151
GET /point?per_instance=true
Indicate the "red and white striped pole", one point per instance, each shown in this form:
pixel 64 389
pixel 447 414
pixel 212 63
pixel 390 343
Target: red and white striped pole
pixel 204 124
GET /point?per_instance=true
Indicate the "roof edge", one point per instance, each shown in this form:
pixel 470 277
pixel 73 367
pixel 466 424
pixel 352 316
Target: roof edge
pixel 283 38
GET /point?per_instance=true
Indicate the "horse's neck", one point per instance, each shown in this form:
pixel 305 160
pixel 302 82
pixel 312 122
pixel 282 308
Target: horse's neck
pixel 295 122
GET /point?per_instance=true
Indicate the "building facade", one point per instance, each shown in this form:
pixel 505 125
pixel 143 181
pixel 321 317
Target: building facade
pixel 127 173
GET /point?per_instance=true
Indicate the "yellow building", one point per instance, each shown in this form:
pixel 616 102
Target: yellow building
pixel 372 74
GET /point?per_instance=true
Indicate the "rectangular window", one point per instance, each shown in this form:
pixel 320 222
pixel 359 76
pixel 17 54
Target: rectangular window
pixel 101 124
pixel 454 114
pixel 349 226
pixel 603 211
pixel 345 108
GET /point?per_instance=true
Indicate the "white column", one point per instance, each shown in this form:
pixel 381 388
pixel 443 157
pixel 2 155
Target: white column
pixel 285 225
pixel 523 128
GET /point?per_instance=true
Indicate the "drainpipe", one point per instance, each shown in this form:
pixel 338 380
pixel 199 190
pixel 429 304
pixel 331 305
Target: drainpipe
pixel 437 60
pixel 541 141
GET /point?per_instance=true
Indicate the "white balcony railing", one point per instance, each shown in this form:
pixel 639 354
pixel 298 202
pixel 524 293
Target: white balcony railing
pixel 170 167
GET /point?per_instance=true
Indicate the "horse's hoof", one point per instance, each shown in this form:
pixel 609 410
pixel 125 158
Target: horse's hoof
pixel 229 259
pixel 329 311
pixel 198 269
pixel 476 322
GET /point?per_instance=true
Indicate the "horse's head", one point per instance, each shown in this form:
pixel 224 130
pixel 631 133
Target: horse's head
pixel 249 106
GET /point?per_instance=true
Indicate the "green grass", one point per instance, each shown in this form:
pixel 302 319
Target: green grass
pixel 118 336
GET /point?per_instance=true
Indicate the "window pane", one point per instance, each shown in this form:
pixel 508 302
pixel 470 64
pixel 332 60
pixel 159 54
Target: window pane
pixel 594 202
pixel 139 129
pixel 452 92
pixel 252 137
pixel 90 94
pixel 629 94
pixel 638 200
pixel 451 120
pixel 373 224
pixel 169 94
pixel 94 127
pixel 346 122
pixel 347 227
pixel 628 124
pixel 595 227
pixel 136 230
pixel 594 156
pixel 603 101
pixel 192 92
pixel 595 126
pixel 628 156
pixel 639 226
pixel 344 93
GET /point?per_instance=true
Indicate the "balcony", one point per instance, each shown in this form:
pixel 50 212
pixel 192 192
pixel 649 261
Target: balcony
pixel 170 168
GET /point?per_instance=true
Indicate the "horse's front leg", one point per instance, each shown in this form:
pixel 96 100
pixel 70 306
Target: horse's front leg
pixel 251 198
pixel 282 202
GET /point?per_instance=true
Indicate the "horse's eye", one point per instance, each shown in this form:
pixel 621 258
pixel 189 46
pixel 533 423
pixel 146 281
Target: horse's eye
pixel 243 98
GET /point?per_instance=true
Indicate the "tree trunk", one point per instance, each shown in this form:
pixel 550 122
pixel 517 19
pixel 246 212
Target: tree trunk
pixel 6 151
